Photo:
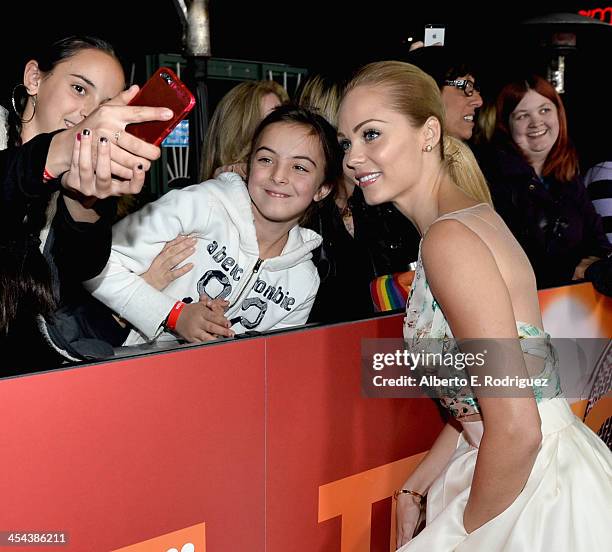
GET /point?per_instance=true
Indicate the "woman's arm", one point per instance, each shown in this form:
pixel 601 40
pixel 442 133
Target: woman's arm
pixel 467 284
pixel 21 173
pixel 421 479
pixel 165 267
pixel 81 241
pixel 80 250
pixel 137 240
pixel 434 461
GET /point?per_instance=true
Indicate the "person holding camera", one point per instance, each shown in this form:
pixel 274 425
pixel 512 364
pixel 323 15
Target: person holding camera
pixel 67 154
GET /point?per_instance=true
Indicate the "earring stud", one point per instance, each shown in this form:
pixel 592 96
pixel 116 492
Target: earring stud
pixel 428 148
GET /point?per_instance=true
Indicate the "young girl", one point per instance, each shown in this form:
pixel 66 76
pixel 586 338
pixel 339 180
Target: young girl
pixel 251 256
pixel 522 472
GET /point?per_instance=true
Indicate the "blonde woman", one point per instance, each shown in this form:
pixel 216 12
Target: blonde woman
pixel 323 95
pixel 228 139
pixel 512 473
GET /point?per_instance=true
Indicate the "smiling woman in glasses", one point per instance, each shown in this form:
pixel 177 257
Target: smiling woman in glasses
pixel 467 85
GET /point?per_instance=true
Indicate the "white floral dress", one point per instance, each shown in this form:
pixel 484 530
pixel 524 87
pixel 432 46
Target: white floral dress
pixel 566 504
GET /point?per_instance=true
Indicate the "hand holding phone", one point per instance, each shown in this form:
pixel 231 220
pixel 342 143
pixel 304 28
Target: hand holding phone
pixel 163 89
pixel 434 35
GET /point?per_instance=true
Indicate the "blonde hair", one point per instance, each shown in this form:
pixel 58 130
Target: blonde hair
pixel 231 128
pixel 416 95
pixel 323 96
pixel 485 124
pixel 463 167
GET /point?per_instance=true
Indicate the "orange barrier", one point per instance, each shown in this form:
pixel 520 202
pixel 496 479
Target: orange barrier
pixel 254 444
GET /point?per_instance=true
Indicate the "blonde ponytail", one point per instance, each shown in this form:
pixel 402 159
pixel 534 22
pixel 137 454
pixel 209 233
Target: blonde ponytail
pixel 464 170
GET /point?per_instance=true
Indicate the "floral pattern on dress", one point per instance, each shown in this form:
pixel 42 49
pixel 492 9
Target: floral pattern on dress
pixel 426 328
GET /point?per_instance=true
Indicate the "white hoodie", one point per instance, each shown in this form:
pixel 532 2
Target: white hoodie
pixel 263 295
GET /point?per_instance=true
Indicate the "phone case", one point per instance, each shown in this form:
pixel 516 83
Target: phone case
pixel 163 89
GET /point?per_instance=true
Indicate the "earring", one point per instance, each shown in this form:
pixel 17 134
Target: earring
pixel 14 103
pixel 428 148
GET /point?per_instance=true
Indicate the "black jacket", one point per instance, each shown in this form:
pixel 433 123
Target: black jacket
pixel 555 222
pixel 74 251
pixel 384 242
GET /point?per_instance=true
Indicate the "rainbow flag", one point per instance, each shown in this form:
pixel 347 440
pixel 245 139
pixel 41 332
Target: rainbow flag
pixel 390 292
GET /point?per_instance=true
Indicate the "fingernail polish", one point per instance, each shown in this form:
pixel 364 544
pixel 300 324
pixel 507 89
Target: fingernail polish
pixel 140 167
pixel 103 140
pixel 86 132
pixel 78 137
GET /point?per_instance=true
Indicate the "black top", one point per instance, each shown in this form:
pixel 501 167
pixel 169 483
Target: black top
pixel 74 251
pixel 555 222
pixel 384 242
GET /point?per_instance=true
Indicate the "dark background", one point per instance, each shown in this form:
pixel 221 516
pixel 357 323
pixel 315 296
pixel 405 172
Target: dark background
pixel 300 33
pixel 305 34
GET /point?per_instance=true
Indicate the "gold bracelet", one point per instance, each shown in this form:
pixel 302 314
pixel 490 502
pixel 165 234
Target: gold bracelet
pixel 418 496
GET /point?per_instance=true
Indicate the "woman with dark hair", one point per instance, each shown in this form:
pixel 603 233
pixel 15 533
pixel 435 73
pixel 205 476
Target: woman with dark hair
pixel 64 153
pixel 532 170
pixel 456 80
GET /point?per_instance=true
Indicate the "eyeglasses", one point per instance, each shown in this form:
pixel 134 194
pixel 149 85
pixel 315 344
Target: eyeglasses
pixel 466 85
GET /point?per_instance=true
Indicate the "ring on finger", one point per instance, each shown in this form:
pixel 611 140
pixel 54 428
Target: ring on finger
pixel 116 136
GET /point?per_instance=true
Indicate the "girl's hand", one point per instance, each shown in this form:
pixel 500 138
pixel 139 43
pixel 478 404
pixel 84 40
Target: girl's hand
pixel 203 321
pixel 163 269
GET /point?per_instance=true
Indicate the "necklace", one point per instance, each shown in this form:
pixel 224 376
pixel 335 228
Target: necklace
pixel 346 213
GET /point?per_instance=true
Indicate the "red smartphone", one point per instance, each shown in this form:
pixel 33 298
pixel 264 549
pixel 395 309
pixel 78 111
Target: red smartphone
pixel 163 89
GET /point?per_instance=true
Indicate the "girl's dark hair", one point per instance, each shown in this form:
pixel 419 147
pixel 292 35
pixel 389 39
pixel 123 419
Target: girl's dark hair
pixel 319 127
pixel 294 114
pixel 47 59
pixel 25 282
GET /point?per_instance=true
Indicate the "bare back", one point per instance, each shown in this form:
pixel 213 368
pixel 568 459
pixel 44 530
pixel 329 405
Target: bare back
pixel 511 260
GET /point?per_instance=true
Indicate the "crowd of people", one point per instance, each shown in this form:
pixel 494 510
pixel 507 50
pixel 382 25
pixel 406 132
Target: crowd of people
pixel 301 206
